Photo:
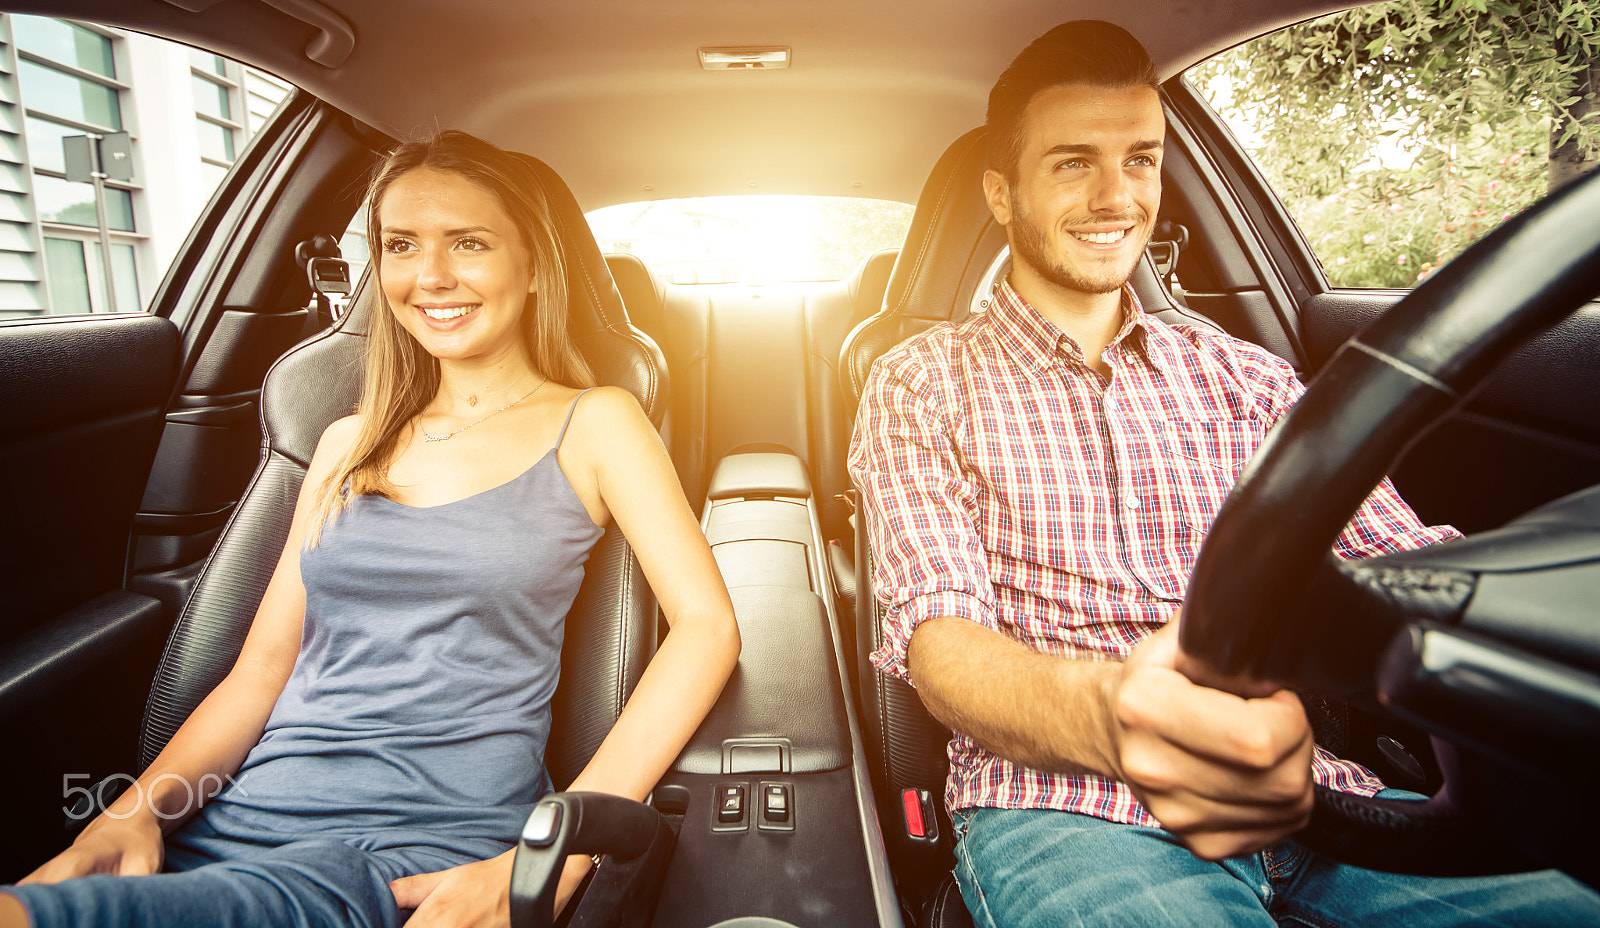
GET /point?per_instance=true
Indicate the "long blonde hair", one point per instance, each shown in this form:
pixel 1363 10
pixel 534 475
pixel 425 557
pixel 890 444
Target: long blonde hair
pixel 401 378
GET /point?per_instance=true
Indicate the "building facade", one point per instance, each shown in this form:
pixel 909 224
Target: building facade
pixel 188 115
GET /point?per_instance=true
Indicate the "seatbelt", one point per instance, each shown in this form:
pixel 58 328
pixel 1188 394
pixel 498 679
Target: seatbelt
pixel 329 276
pixel 1166 243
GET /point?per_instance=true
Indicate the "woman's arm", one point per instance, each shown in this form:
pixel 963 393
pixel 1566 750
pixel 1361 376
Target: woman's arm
pixel 621 469
pixel 214 740
pixel 641 493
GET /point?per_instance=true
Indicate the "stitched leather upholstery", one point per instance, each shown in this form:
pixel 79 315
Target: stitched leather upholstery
pixel 828 322
pixel 620 354
pixel 681 329
pixel 953 238
pixel 611 629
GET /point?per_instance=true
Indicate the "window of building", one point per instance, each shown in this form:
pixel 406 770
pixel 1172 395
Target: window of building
pixel 69 83
pixel 70 79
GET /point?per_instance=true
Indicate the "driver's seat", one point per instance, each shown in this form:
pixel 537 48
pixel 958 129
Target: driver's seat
pixel 953 257
pixel 611 629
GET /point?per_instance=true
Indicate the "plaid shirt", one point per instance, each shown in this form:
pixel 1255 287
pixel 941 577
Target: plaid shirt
pixel 1006 482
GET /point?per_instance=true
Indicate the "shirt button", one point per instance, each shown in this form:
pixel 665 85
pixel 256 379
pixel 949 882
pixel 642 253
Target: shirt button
pixel 1131 501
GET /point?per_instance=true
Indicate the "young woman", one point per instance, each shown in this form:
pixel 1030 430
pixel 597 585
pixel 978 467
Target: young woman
pixel 385 724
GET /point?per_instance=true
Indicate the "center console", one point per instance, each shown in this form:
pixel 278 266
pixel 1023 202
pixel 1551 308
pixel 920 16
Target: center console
pixel 780 827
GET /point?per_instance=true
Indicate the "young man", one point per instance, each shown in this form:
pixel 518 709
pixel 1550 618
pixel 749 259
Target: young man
pixel 1037 482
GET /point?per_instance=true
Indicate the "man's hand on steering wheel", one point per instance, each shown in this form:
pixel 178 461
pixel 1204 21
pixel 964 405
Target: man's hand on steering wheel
pixel 1227 775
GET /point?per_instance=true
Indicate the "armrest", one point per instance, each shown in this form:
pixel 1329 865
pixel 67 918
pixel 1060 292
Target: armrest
pixel 636 839
pixel 759 474
pixel 98 634
pixel 786 687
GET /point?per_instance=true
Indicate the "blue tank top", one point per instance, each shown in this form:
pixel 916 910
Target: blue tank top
pixel 419 707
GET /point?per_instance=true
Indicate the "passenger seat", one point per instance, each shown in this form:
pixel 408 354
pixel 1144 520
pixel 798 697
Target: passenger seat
pixel 682 337
pixel 833 414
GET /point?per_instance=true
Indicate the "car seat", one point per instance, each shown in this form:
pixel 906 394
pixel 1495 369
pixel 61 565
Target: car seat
pixel 611 628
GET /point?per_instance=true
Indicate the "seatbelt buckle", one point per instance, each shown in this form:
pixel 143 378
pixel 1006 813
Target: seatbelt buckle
pixel 920 818
pixel 330 284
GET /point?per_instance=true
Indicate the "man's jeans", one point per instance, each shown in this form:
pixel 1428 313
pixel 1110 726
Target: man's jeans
pixel 1031 868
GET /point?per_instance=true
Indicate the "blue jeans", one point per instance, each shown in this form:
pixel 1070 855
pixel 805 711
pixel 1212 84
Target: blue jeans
pixel 209 880
pixel 1032 868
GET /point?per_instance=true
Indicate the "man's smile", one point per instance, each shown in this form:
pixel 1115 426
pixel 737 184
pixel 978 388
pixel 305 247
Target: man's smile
pixel 1101 238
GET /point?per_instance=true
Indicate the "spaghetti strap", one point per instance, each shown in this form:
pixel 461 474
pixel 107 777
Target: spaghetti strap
pixel 570 410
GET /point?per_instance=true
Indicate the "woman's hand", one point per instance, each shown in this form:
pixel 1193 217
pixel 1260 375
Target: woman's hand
pixel 476 894
pixel 129 846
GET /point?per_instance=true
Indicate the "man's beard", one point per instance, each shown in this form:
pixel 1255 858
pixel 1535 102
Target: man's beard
pixel 1033 248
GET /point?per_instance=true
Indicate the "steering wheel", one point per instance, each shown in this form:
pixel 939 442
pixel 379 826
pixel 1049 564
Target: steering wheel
pixel 1492 643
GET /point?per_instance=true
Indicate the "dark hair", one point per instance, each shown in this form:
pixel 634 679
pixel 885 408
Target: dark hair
pixel 1084 51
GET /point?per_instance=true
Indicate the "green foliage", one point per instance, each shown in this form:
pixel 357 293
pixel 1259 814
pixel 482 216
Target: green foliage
pixel 1397 134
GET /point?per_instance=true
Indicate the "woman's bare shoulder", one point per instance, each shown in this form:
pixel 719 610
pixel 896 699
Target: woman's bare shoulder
pixel 340 434
pixel 336 441
pixel 605 414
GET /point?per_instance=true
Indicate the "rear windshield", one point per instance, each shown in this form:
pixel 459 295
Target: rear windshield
pixel 751 239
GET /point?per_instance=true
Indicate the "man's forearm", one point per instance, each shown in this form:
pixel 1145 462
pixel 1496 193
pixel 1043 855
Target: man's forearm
pixel 1049 713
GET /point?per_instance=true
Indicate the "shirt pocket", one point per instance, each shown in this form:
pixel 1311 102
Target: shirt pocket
pixel 1204 460
pixel 1221 444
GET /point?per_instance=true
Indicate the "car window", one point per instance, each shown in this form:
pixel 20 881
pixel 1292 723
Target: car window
pixel 1398 134
pixel 751 239
pixel 170 121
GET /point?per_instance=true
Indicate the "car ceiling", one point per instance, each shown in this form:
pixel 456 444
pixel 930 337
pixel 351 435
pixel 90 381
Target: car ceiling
pixel 610 92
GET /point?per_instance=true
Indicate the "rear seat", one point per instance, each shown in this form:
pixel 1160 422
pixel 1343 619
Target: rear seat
pixel 755 369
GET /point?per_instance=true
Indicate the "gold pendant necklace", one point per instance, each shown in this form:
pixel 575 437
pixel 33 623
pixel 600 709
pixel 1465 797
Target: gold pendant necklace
pixel 427 436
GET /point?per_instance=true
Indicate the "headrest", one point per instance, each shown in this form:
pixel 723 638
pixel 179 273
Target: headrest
pixel 870 282
pixel 953 237
pixel 951 243
pixel 318 380
pixel 639 291
pixel 620 354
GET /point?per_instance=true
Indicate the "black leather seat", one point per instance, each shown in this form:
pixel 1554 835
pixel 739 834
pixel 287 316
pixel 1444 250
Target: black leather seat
pixel 952 240
pixel 954 255
pixel 611 628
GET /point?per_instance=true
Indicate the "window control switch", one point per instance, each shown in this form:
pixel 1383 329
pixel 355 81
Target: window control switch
pixel 730 807
pixel 775 802
pixel 776 807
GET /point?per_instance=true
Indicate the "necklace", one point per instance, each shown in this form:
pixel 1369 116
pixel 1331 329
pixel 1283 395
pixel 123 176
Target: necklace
pixel 426 436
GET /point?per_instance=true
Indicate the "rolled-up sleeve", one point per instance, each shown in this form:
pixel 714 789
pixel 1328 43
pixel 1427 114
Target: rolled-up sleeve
pixel 928 559
pixel 1384 524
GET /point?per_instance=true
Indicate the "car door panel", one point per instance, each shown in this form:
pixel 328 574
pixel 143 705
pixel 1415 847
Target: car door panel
pixel 84 398
pixel 1531 434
